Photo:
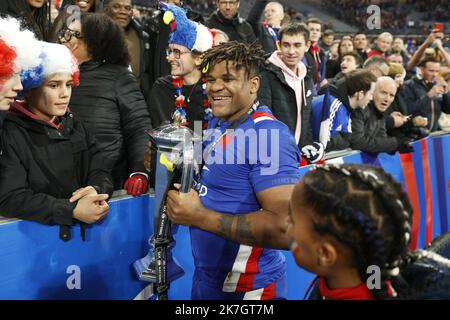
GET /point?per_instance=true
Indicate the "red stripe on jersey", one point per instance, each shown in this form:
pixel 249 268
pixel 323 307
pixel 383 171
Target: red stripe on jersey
pixel 247 280
pixel 263 114
pixel 269 292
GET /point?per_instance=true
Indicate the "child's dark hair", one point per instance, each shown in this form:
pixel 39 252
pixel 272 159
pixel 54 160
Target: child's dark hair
pixel 249 57
pixel 365 209
pixel 105 39
pixel 359 80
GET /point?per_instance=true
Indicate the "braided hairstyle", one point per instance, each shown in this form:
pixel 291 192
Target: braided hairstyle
pixel 365 209
pixel 247 56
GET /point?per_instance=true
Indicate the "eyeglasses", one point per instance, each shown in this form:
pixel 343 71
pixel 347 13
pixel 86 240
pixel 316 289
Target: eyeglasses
pixel 66 34
pixel 176 52
pixel 226 3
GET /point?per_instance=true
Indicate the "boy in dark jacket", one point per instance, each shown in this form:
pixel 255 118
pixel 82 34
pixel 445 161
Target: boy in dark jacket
pixel 50 169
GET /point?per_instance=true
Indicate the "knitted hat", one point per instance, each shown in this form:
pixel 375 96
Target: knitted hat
pixel 23 42
pixel 185 32
pixel 395 69
pixel 53 58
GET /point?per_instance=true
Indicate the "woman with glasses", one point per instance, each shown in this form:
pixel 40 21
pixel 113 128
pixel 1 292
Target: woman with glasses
pixel 334 65
pixel 108 100
pixel 51 171
pixel 34 14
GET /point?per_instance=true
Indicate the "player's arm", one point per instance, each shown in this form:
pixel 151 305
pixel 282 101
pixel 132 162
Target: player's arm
pixel 264 228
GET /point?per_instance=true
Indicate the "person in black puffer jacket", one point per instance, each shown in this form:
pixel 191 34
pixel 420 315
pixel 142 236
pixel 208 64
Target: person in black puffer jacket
pixel 227 19
pixel 109 100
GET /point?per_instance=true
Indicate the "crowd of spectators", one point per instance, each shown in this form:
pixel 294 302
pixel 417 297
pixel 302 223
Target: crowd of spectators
pixel 395 15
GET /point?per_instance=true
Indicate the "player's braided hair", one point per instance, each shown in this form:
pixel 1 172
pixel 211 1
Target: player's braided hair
pixel 367 210
pixel 250 57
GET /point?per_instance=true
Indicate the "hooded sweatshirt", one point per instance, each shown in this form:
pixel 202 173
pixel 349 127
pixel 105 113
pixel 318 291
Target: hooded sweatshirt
pixel 296 82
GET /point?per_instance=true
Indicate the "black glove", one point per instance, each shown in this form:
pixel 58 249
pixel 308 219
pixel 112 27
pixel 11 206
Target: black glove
pixel 403 145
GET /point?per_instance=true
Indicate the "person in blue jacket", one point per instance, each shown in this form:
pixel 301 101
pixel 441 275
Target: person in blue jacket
pixel 331 113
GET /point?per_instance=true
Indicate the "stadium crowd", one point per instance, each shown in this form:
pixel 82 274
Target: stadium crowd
pixel 77 121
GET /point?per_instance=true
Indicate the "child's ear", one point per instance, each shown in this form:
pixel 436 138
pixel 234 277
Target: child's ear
pixel 326 255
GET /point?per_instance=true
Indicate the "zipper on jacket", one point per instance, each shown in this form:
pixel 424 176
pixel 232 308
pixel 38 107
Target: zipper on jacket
pixel 432 115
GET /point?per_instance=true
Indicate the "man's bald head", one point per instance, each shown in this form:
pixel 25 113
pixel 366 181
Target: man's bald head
pixel 274 14
pixel 384 94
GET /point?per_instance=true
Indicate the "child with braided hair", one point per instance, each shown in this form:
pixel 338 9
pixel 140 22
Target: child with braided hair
pixel 347 221
pixel 345 218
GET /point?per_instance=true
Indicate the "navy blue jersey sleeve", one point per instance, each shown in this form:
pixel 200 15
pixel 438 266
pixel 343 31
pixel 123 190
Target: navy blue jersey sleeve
pixel 277 157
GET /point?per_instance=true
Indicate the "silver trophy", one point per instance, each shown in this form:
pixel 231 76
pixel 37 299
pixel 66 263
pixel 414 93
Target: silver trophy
pixel 173 152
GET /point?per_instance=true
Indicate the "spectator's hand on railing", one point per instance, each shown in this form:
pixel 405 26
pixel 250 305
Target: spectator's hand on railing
pixel 136 184
pixel 82 192
pixel 91 208
pixel 313 152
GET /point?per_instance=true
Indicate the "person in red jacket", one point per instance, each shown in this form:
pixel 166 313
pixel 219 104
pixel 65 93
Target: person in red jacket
pixel 382 45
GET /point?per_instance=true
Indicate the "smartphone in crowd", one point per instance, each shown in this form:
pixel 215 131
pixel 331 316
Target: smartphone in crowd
pixel 438 27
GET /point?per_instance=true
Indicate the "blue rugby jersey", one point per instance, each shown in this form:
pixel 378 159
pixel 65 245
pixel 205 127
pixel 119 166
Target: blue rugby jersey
pixel 232 189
